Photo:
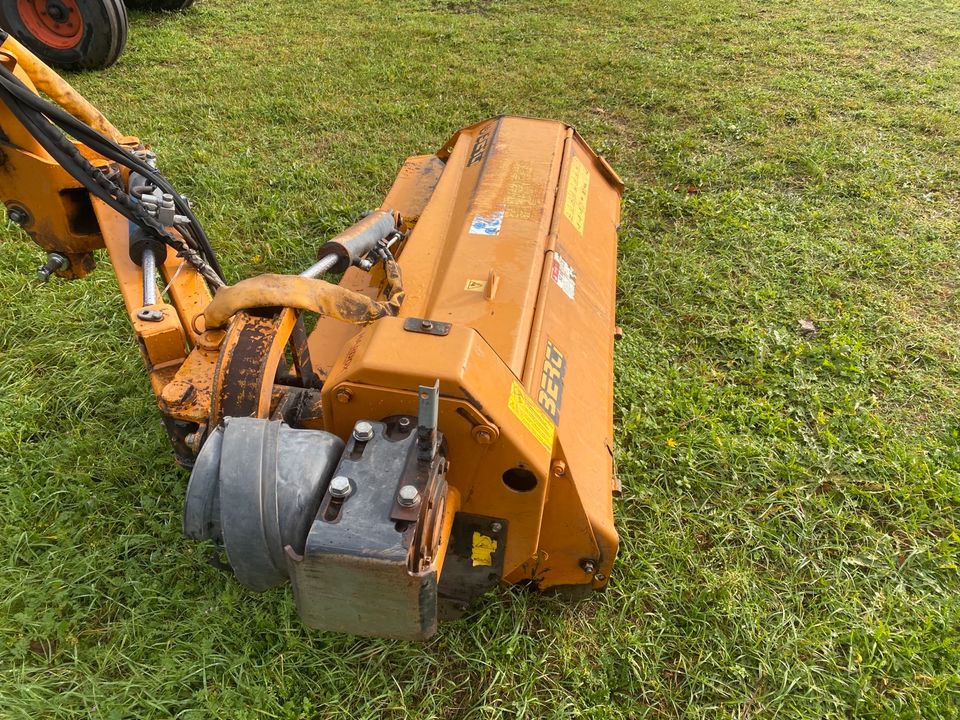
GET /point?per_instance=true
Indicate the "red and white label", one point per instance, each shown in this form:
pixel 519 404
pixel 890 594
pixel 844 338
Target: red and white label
pixel 564 276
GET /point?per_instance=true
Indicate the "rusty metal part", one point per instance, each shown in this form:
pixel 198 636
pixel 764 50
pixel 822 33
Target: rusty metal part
pixel 250 357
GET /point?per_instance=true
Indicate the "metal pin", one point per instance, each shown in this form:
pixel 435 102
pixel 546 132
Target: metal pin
pixel 149 264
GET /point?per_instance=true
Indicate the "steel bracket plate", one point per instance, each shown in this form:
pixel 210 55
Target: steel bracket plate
pixel 427 327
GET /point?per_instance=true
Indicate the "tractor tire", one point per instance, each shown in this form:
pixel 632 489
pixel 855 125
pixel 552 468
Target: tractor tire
pixel 160 5
pixel 69 34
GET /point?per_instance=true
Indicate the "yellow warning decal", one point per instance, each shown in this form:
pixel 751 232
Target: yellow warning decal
pixel 529 413
pixel 475 285
pixel 578 188
pixel 483 549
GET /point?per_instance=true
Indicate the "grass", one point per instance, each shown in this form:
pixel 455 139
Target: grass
pixel 789 520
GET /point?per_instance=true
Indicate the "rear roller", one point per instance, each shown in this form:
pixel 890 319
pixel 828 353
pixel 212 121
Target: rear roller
pixel 70 34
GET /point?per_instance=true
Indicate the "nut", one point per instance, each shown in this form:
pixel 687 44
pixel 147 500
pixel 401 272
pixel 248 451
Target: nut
pixel 340 487
pixel 344 395
pixel 363 431
pixel 588 566
pixel 408 496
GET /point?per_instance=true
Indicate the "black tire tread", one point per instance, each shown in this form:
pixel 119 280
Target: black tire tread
pixel 105 19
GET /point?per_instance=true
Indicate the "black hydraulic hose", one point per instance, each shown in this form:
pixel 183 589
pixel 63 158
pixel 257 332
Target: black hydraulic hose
pixel 107 148
pixel 77 166
pixel 112 151
pixel 98 184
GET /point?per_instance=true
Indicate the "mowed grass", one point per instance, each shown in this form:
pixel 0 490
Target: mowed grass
pixel 790 509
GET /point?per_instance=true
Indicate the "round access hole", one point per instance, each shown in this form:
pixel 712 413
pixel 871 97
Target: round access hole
pixel 520 479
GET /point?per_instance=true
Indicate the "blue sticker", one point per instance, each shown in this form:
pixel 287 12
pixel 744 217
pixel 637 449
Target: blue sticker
pixel 488 224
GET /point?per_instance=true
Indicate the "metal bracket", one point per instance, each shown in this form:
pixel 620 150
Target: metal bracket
pixel 427 327
pixel 427 421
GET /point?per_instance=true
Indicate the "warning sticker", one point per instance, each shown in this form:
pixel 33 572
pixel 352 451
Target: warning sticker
pixel 529 413
pixel 475 285
pixel 483 549
pixel 564 276
pixel 487 224
pixel 578 188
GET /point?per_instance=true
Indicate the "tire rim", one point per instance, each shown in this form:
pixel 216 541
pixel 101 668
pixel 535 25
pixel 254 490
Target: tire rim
pixel 57 24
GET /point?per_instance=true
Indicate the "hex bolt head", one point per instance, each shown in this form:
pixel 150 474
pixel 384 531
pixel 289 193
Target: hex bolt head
pixel 363 431
pixel 340 487
pixel 404 423
pixel 344 395
pixel 588 566
pixel 496 527
pixel 408 496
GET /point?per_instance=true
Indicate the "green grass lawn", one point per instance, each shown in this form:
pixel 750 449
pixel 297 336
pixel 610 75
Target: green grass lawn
pixel 790 510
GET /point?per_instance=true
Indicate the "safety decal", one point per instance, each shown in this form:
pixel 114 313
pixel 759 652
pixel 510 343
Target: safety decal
pixel 487 224
pixel 475 285
pixel 529 413
pixel 564 276
pixel 483 549
pixel 551 382
pixel 578 189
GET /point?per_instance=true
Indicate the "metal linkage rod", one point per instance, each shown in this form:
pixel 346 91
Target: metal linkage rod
pixel 149 265
pixel 323 265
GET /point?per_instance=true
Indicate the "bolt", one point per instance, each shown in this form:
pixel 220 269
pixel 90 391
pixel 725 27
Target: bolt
pixel 496 527
pixel 559 468
pixel 340 487
pixel 17 215
pixel 599 577
pixel 588 566
pixel 55 263
pixel 404 423
pixel 426 324
pixel 408 496
pixel 363 431
pixel 344 395
pixel 148 315
pixel 484 434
